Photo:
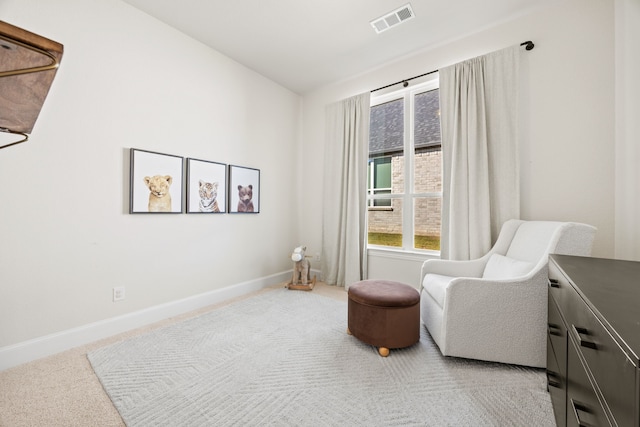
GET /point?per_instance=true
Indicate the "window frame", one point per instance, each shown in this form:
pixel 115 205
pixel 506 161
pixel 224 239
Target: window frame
pixel 408 196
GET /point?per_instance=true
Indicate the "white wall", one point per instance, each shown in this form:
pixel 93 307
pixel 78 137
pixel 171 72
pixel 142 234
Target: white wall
pixel 567 120
pixel 127 80
pixel 627 129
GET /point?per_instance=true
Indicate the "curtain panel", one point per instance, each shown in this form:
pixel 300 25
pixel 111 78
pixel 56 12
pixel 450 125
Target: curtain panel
pixel 344 233
pixel 481 174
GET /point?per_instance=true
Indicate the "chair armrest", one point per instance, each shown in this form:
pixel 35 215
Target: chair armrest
pixel 493 290
pixel 473 268
pixel 468 298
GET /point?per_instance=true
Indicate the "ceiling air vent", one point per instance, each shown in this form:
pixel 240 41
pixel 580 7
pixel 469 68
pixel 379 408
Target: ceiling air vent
pixel 392 19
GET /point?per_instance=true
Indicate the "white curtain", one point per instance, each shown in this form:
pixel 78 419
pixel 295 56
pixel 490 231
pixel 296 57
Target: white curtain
pixel 344 232
pixel 481 178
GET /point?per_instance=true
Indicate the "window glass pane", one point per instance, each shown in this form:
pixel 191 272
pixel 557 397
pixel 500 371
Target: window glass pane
pixel 426 128
pixel 426 222
pixel 386 131
pixel 397 173
pixel 385 223
pixel 427 170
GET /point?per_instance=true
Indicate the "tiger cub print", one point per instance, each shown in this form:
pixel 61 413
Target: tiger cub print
pixel 208 196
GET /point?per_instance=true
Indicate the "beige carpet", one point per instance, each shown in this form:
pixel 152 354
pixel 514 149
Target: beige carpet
pixel 283 358
pixel 63 390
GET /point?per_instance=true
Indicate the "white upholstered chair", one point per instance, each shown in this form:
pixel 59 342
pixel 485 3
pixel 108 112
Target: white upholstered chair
pixel 495 308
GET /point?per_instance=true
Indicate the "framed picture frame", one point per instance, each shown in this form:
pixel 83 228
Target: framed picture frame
pixel 244 189
pixel 206 186
pixel 155 182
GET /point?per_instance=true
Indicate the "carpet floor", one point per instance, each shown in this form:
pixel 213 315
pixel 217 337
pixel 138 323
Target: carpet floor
pixel 62 390
pixel 284 358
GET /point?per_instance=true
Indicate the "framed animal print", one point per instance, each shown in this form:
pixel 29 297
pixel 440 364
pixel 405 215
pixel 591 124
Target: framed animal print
pixel 244 189
pixel 206 186
pixel 155 182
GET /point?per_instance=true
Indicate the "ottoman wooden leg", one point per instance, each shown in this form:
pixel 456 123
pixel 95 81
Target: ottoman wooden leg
pixel 384 351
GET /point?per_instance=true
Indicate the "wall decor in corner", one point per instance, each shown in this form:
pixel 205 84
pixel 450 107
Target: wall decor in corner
pixel 244 189
pixel 155 182
pixel 206 186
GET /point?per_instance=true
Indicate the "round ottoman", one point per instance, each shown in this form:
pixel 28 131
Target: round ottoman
pixel 384 314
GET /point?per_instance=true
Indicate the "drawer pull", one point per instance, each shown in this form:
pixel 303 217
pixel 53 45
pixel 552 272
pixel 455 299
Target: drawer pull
pixel 577 408
pixel 583 343
pixel 554 329
pixel 554 283
pixel 552 379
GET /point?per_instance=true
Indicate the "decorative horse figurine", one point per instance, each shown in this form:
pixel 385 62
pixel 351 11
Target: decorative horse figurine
pixel 301 267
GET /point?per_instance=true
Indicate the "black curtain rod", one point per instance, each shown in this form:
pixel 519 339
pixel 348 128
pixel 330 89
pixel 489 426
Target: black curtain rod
pixel 528 46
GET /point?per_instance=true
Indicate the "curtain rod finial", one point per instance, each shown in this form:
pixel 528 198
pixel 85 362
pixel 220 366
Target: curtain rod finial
pixel 529 45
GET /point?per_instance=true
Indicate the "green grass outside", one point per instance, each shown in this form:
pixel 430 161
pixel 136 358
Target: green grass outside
pixel 421 242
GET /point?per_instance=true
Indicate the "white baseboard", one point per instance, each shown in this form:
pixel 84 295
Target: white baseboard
pixel 48 345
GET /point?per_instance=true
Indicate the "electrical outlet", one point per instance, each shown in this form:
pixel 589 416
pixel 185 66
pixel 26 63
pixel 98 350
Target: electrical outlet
pixel 317 257
pixel 118 293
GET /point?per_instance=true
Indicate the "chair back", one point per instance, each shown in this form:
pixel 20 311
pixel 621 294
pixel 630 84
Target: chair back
pixel 533 241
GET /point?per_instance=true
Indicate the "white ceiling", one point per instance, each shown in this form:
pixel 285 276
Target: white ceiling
pixel 304 44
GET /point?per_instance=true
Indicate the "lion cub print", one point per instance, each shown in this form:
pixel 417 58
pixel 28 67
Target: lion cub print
pixel 208 196
pixel 159 197
pixel 245 195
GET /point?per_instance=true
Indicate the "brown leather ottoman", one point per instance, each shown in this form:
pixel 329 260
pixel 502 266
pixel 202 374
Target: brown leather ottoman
pixel 384 314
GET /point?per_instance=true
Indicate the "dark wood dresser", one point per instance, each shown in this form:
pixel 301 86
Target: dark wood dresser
pixel 593 341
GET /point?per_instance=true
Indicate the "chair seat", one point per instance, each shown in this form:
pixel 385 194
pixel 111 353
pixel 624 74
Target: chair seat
pixel 436 286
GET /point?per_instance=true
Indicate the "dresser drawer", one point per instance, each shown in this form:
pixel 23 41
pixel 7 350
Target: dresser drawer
pixel 583 407
pixel 614 373
pixel 557 333
pixel 560 288
pixel 557 386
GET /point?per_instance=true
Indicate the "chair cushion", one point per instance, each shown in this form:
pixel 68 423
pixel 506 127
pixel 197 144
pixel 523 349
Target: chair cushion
pixel 502 267
pixel 436 286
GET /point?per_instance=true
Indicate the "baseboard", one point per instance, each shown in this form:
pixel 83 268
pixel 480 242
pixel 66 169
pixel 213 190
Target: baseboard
pixel 27 351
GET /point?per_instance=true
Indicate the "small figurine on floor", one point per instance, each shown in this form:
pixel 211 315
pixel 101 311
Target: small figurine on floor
pixel 301 266
pixel 301 271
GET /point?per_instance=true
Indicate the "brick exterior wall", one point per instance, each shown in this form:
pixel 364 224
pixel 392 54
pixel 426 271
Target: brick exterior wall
pixel 427 213
pixel 428 179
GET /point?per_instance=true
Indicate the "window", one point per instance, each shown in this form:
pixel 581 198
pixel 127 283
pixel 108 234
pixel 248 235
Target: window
pixel 379 180
pixel 404 191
